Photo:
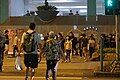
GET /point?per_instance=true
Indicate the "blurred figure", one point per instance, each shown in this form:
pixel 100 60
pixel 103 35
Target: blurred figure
pixel 91 45
pixel 74 43
pixel 6 42
pixel 71 13
pixel 30 42
pixel 15 45
pixel 61 40
pixel 53 53
pixel 80 45
pixel 85 46
pixel 2 39
pixel 112 41
pixel 28 13
pixel 76 13
pixel 68 48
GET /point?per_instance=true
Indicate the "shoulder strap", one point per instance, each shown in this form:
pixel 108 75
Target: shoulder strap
pixel 30 33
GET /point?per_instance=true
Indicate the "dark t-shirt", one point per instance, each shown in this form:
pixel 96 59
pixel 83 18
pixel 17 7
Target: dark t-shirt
pixel 84 42
pixel 6 39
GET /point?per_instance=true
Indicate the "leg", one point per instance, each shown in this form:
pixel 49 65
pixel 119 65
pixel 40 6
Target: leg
pixel 6 49
pixel 69 57
pixel 91 51
pixel 0 60
pixel 48 62
pixel 27 73
pixel 80 52
pixel 54 69
pixel 14 51
pixel 32 73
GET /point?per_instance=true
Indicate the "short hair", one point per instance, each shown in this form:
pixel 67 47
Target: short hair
pixel 6 31
pixel 32 26
pixel 51 34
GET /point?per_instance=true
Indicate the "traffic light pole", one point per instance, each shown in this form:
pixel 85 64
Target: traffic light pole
pixel 117 38
pixel 116 62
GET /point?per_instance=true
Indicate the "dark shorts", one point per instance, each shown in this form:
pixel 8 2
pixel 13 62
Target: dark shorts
pixel 31 60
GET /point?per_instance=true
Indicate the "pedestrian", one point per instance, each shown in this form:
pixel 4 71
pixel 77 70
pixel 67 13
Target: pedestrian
pixel 91 45
pixel 74 43
pixel 15 45
pixel 6 42
pixel 70 13
pixel 85 46
pixel 80 46
pixel 2 39
pixel 68 48
pixel 30 43
pixel 53 53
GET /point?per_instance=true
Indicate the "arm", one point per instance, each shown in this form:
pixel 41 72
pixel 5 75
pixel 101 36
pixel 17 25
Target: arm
pixel 21 45
pixel 41 52
pixel 20 50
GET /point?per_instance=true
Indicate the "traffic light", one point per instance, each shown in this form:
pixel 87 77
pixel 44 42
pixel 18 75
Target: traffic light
pixel 111 6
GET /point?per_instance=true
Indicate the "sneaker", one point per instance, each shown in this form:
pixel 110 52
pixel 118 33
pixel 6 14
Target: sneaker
pixel 26 78
pixel 0 70
pixel 32 78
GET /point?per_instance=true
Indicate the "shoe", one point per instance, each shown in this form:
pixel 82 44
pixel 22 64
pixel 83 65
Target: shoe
pixel 0 70
pixel 32 78
pixel 26 78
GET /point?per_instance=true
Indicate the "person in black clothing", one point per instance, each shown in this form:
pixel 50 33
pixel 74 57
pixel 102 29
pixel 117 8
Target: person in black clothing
pixel 71 13
pixel 74 43
pixel 84 46
pixel 28 13
pixel 112 42
pixel 6 42
pixel 2 47
pixel 80 45
pixel 61 40
pixel 91 45
pixel 1 52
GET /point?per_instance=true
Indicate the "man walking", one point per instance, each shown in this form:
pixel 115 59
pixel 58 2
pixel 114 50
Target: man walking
pixel 29 43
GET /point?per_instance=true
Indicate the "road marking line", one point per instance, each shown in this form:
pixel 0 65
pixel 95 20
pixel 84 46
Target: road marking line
pixel 14 77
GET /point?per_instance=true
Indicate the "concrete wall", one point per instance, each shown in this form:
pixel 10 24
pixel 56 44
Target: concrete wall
pixel 17 7
pixel 4 10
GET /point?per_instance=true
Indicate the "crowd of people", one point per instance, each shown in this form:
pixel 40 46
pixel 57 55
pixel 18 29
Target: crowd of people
pixel 55 46
pixel 71 45
pixel 109 40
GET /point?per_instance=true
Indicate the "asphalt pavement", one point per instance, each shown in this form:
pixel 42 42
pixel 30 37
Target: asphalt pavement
pixel 78 69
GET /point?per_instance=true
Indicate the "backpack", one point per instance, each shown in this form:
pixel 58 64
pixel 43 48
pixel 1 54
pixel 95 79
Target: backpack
pixel 2 41
pixel 29 42
pixel 52 50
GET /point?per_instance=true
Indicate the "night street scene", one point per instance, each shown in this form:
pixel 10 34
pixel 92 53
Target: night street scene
pixel 59 40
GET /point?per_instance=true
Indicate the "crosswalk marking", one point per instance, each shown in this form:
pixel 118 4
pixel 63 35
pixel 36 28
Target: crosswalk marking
pixel 21 77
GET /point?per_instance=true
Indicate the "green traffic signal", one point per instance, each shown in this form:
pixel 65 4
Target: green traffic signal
pixel 111 6
pixel 109 3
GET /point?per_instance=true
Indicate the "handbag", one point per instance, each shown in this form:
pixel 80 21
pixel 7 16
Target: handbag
pixel 18 64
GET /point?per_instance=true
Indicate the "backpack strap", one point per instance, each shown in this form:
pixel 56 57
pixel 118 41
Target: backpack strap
pixel 31 33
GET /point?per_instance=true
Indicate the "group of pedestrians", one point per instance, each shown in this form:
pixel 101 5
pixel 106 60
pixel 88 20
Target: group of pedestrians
pixel 53 48
pixel 31 43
